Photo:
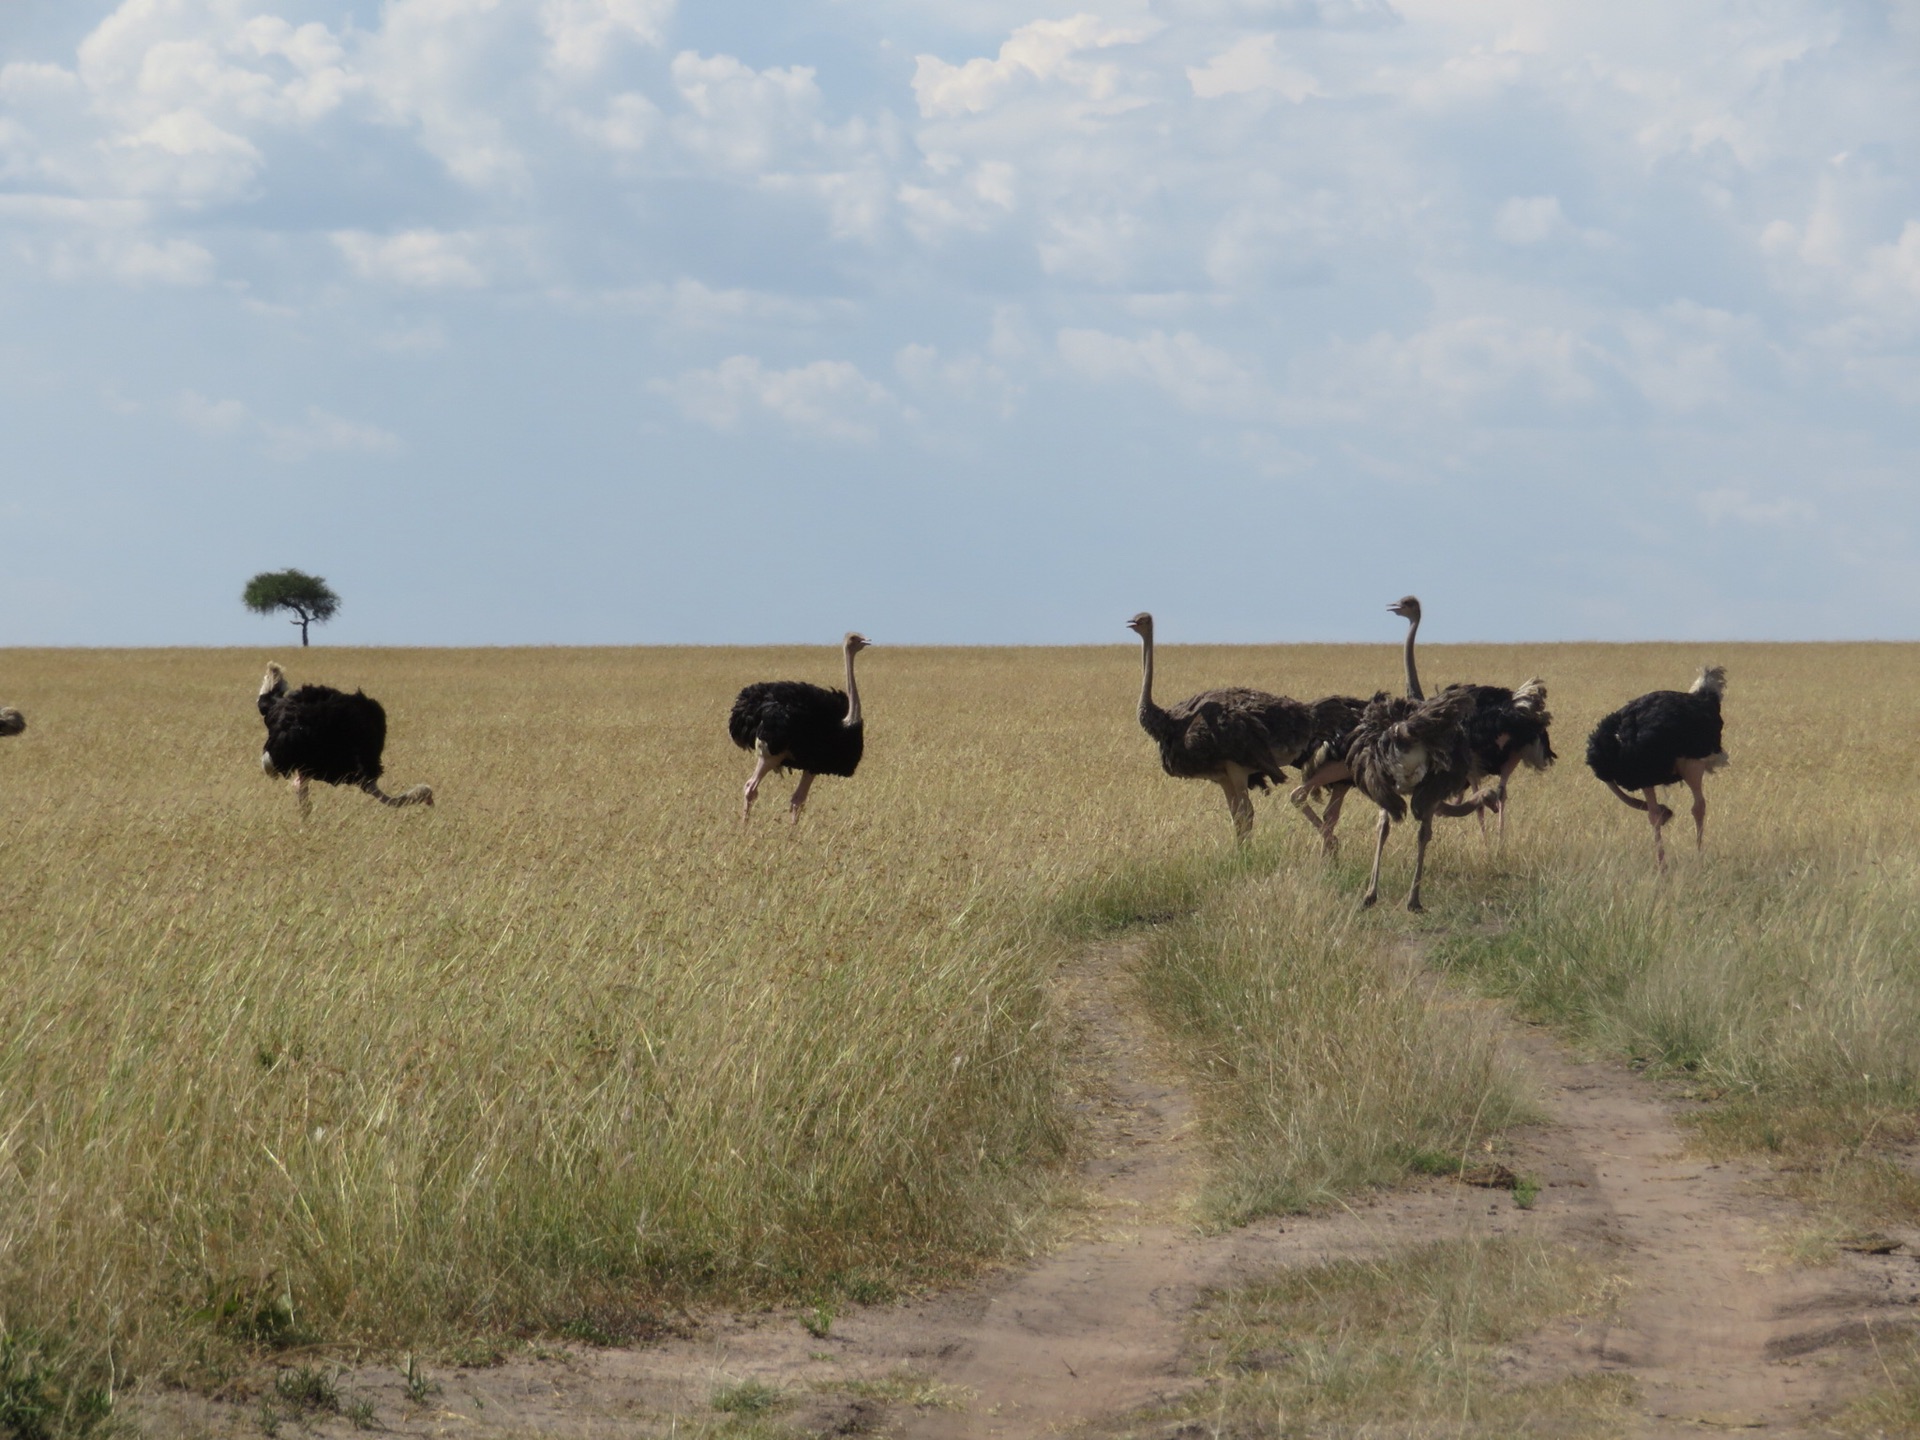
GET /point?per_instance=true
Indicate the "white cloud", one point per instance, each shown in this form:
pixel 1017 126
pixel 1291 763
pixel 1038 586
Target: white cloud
pixel 1200 377
pixel 626 126
pixel 1464 362
pixel 426 259
pixel 740 118
pixel 830 398
pixel 583 33
pixel 968 379
pixel 1529 220
pixel 317 433
pixel 129 260
pixel 1044 50
pixel 1250 64
pixel 211 417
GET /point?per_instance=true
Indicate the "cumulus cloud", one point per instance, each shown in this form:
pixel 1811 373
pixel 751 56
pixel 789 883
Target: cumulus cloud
pixel 583 33
pixel 1251 64
pixel 1042 51
pixel 828 398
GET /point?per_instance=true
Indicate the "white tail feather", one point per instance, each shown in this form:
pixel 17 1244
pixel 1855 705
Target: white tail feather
pixel 1712 681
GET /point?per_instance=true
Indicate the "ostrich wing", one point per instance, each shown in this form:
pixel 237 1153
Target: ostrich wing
pixel 1238 727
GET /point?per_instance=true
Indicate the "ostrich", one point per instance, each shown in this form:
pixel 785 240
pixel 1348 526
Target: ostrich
pixel 1508 727
pixel 319 733
pixel 12 722
pixel 791 725
pixel 1663 738
pixel 1412 750
pixel 1323 764
pixel 1235 738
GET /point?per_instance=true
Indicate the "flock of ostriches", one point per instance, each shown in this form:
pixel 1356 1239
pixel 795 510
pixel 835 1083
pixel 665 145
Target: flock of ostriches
pixel 1451 754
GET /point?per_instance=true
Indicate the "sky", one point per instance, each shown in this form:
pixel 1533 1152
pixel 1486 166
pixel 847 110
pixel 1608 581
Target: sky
pixel 635 321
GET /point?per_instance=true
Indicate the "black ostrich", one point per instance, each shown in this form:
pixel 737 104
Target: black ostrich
pixel 12 722
pixel 319 733
pixel 1665 737
pixel 1508 727
pixel 791 725
pixel 1413 754
pixel 1238 739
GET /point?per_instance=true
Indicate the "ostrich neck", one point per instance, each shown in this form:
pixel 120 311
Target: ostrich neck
pixel 1414 692
pixel 853 696
pixel 1147 707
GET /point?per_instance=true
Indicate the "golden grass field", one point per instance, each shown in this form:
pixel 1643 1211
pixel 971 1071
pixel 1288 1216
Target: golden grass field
pixel 572 1045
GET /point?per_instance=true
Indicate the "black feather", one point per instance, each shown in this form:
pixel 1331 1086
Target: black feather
pixel 801 726
pixel 325 734
pixel 1500 728
pixel 1639 746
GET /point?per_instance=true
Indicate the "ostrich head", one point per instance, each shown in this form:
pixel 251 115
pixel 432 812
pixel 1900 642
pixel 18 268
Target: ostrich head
pixel 1407 607
pixel 1142 625
pixel 274 682
pixel 856 642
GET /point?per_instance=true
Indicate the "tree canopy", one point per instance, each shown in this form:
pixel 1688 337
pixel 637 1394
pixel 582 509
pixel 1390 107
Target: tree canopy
pixel 307 596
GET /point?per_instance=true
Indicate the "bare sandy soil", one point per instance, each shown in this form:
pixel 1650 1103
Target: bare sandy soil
pixel 1718 1329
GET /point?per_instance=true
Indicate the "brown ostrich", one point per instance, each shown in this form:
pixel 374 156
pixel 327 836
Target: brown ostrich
pixel 1412 754
pixel 1509 727
pixel 1323 766
pixel 12 722
pixel 1238 739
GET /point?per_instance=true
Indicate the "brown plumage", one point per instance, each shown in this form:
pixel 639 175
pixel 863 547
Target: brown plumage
pixel 1412 755
pixel 1508 728
pixel 1323 766
pixel 1239 739
pixel 12 722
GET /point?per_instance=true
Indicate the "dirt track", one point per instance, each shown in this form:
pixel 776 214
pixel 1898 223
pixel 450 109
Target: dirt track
pixel 1717 1330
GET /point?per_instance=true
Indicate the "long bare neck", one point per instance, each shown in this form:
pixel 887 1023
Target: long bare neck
pixel 1147 707
pixel 1414 692
pixel 853 694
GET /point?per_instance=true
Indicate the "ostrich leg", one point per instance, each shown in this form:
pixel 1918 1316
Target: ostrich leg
pixel 1420 864
pixel 1336 797
pixel 1511 764
pixel 1693 772
pixel 766 764
pixel 1379 845
pixel 298 784
pixel 1239 803
pixel 800 794
pixel 1659 815
pixel 1336 779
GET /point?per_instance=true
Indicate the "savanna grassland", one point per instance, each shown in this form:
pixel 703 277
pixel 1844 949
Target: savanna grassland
pixel 572 1047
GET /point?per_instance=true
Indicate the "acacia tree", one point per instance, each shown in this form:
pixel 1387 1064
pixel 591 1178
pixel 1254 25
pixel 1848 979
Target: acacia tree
pixel 307 596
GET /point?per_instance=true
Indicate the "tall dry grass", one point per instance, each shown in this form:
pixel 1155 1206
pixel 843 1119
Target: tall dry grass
pixel 571 1043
